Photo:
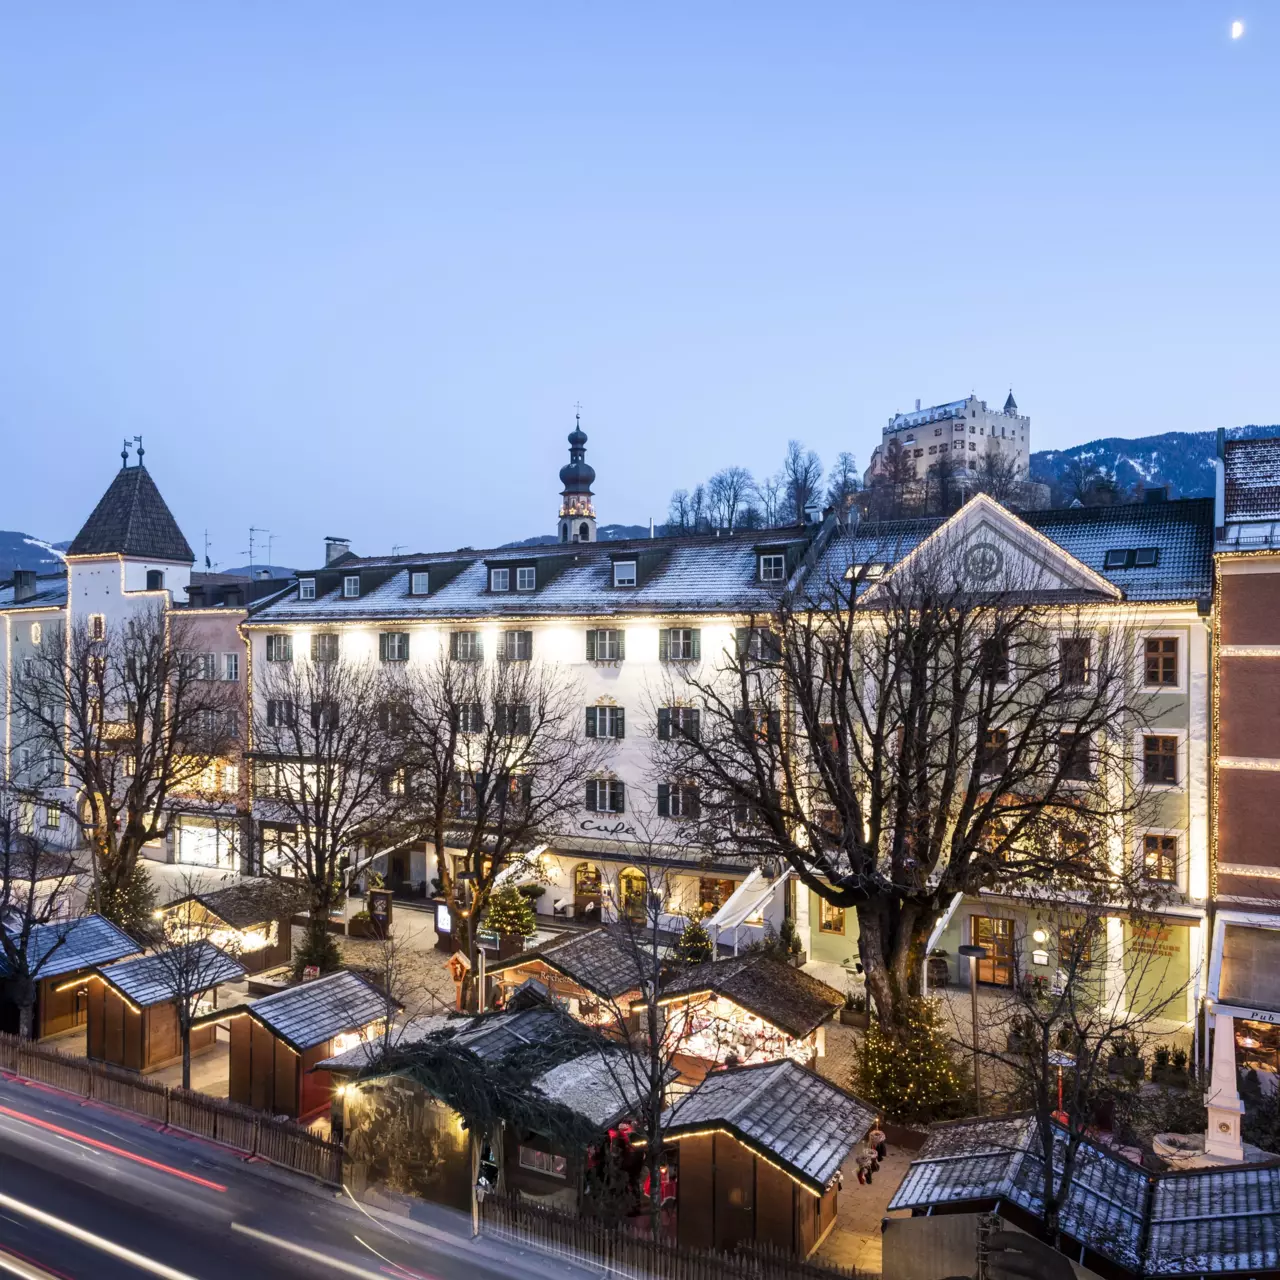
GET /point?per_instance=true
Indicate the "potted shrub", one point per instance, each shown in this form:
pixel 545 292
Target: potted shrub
pixel 1127 1060
pixel 939 968
pixel 1169 1067
pixel 855 1012
pixel 360 925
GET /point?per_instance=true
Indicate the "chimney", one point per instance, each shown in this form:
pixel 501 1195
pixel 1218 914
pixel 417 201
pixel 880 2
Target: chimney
pixel 24 585
pixel 917 404
pixel 335 549
pixel 1160 494
pixel 263 575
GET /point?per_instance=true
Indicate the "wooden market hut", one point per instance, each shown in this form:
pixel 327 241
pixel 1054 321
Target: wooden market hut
pixel 760 1150
pixel 64 954
pixel 133 1011
pixel 567 1077
pixel 591 974
pixel 249 919
pixel 755 1007
pixel 278 1040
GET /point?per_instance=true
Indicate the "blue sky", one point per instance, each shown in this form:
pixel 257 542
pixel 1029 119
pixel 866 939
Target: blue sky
pixel 348 268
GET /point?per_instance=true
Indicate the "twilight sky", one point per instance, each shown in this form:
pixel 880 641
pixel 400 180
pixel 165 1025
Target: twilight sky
pixel 347 268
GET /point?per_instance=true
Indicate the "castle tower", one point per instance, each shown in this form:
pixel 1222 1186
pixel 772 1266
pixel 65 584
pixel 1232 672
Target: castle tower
pixel 577 511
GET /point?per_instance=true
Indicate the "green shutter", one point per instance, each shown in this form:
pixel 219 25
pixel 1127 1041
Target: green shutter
pixel 664 645
pixel 622 644
pixel 697 643
pixel 591 722
pixel 591 795
pixel 664 724
pixel 621 730
pixel 742 636
pixel 620 791
pixel 591 645
pixel 453 644
pixel 382 645
pixel 664 800
pixel 693 725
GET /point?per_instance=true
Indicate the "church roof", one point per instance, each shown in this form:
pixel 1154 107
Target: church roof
pixel 131 519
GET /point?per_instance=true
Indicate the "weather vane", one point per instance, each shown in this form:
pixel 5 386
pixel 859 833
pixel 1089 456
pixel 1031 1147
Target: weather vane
pixel 138 441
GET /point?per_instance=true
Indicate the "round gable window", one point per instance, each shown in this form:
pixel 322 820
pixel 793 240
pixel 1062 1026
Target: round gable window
pixel 36 632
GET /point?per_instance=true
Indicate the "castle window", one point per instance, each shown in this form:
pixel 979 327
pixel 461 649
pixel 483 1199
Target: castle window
pixel 526 578
pixel 499 579
pixel 564 532
pixel 419 584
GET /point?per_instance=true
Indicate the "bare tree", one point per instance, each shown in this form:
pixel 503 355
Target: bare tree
pixel 679 516
pixel 133 720
pixel 998 475
pixel 843 482
pixel 802 470
pixel 900 741
pixel 770 493
pixel 1062 1031
pixel 330 777
pixel 188 966
pixel 698 511
pixel 889 487
pixel 512 735
pixel 942 486
pixel 1088 483
pixel 728 492
pixel 35 902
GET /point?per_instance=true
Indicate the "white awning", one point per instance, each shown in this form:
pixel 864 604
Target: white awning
pixel 747 900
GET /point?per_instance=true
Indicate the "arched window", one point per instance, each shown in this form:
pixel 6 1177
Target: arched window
pixel 155 579
pixel 564 532
pixel 584 532
pixel 633 889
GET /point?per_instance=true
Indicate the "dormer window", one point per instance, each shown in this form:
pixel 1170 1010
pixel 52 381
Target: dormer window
pixel 526 578
pixel 499 579
pixel 773 567
pixel 419 584
pixel 306 588
pixel 624 573
pixel 351 586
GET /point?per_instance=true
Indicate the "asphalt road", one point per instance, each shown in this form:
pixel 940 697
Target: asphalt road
pixel 87 1194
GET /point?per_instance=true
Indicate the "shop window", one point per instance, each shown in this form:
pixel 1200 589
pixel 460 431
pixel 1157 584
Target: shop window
pixel 713 894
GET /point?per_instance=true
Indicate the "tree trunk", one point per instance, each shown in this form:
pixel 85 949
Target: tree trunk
pixel 186 1055
pixel 24 989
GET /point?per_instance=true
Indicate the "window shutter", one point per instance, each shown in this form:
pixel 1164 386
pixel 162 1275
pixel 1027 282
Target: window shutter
pixel 622 645
pixel 664 800
pixel 664 723
pixel 523 718
pixel 502 644
pixel 697 643
pixel 621 731
pixel 775 727
pixel 591 722
pixel 743 637
pixel 453 643
pixel 315 647
pixel 404 646
pixel 693 724
pixel 591 646
pixel 692 802
pixel 591 794
pixel 742 721
pixel 382 645
pixel 664 645
pixel 619 797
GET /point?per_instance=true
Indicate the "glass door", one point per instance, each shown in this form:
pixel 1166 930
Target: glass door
pixel 997 937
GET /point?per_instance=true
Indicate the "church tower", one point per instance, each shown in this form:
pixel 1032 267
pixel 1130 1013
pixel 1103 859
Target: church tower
pixel 577 511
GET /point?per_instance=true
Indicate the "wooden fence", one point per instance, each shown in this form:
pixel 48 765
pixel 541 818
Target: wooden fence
pixel 627 1254
pixel 279 1142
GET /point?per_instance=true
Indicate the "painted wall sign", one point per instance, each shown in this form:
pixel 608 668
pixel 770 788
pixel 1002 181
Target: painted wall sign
pixel 606 829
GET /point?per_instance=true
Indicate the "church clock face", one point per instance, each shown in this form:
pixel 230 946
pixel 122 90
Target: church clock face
pixel 983 561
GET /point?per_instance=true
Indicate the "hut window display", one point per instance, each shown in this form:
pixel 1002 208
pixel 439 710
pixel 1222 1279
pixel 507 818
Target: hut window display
pixel 544 1162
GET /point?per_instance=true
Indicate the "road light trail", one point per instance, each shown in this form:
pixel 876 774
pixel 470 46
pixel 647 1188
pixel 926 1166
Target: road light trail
pixel 312 1255
pixel 101 1243
pixel 115 1151
pixel 15 1264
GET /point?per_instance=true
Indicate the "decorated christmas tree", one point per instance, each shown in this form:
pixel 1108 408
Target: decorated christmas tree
pixel 510 914
pixel 694 946
pixel 910 1071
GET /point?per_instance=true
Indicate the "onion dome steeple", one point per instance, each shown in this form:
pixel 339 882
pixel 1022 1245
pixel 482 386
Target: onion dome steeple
pixel 577 511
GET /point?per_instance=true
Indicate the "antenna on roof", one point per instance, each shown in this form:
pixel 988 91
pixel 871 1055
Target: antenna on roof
pixel 208 564
pixel 397 548
pixel 252 530
pixel 138 441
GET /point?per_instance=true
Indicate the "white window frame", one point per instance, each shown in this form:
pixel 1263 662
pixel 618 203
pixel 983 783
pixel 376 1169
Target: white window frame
pixel 686 644
pixel 615 643
pixel 37 632
pixel 1180 869
pixel 527 578
pixel 52 818
pixel 678 794
pixel 1139 759
pixel 394 640
pixel 1184 646
pixel 420 583
pixel 624 573
pixel 306 588
pixel 499 579
pixel 350 586
pixel 473 643
pixel 273 644
pixel 767 560
pixel 231 667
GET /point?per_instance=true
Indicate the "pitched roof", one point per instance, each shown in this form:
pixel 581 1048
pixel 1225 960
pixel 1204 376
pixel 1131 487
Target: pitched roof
pixel 131 519
pixel 310 1013
pixel 51 593
pixel 792 1000
pixel 782 1110
pixel 64 946
pixel 148 980
pixel 1251 470
pixel 250 900
pixel 601 960
pixel 1189 1223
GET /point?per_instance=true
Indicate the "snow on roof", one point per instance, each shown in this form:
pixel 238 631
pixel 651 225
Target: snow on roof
pixel 65 946
pixel 1252 475
pixel 148 980
pixel 312 1012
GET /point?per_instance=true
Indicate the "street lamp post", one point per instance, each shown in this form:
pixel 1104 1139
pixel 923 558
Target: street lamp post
pixel 975 953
